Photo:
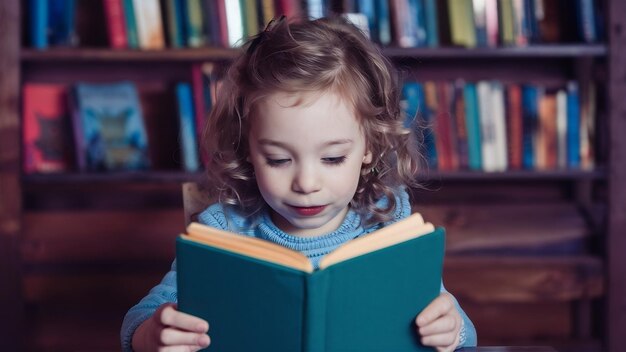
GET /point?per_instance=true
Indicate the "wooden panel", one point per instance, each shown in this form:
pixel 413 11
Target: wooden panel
pixel 536 228
pixel 523 280
pixel 10 192
pixel 616 242
pixel 100 236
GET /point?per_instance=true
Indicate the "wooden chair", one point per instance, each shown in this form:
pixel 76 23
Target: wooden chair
pixel 195 200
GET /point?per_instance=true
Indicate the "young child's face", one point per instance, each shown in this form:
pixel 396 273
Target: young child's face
pixel 307 159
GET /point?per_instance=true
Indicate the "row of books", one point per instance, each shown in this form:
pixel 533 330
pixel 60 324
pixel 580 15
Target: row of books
pixel 491 126
pixel 156 24
pixel 100 127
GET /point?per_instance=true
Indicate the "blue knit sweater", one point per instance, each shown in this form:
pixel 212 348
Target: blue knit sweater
pixel 261 226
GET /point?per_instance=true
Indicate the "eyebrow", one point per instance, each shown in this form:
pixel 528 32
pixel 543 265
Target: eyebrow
pixel 264 141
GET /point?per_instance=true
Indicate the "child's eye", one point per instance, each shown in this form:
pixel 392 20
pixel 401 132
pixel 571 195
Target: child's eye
pixel 276 162
pixel 334 160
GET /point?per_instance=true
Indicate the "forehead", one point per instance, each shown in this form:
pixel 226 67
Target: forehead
pixel 325 113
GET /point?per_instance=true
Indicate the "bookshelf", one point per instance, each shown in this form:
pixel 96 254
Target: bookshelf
pixel 52 273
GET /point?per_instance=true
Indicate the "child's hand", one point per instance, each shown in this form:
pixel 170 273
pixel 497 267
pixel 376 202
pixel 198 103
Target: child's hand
pixel 170 328
pixel 439 324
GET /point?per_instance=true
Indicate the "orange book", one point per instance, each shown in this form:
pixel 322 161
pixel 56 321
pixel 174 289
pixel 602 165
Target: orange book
pixel 547 157
pixel 46 129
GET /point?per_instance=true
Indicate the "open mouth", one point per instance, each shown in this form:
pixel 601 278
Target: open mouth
pixel 308 211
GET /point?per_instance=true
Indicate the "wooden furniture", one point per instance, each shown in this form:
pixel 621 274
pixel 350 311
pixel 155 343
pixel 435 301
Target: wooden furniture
pixel 76 250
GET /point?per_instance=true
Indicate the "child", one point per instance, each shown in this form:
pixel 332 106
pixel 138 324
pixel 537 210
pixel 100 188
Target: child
pixel 308 150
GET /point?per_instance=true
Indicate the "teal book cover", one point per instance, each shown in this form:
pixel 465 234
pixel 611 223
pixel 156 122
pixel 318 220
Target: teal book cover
pixel 109 127
pixel 367 302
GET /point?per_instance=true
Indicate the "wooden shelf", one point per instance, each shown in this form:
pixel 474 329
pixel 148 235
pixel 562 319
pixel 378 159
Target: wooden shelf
pixel 216 53
pixel 108 55
pixel 516 175
pixel 532 51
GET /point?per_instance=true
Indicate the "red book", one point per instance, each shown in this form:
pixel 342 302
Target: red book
pixel 221 17
pixel 445 129
pixel 116 23
pixel 200 108
pixel 292 9
pixel 514 126
pixel 46 128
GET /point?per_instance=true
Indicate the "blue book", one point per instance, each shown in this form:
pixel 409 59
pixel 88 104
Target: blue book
pixel 188 140
pixel 586 21
pixel 384 22
pixel 38 23
pixel 472 124
pixel 530 116
pixel 419 118
pixel 61 21
pixel 573 125
pixel 109 127
pixel 432 33
pixel 368 8
pixel 131 24
pixel 534 35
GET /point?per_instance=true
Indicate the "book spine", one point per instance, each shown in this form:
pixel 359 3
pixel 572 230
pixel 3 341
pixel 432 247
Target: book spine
pixel 80 146
pixel 561 128
pixel 149 24
pixel 529 117
pixel 131 24
pixel 480 22
pixel 267 12
pixel 234 22
pixel 587 21
pixel 521 29
pixel 38 23
pixel 487 127
pixel 317 288
pixel 472 119
pixel 430 116
pixel 573 127
pixel 507 22
pixel 515 126
pixel 195 23
pixel 199 98
pixel 173 25
pixel 61 23
pixel 430 8
pixel 368 8
pixel 384 22
pixel 460 123
pixel 492 23
pixel 188 140
pixel 114 12
pixel 498 110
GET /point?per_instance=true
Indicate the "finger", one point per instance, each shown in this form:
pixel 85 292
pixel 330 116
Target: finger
pixel 438 307
pixel 171 337
pixel 180 349
pixel 445 324
pixel 183 321
pixel 443 342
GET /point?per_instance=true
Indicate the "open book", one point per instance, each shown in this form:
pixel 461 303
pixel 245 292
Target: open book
pixel 260 296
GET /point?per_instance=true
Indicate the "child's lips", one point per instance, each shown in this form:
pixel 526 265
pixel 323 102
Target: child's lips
pixel 308 211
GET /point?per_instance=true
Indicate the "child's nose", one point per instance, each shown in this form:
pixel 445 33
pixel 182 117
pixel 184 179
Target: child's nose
pixel 306 180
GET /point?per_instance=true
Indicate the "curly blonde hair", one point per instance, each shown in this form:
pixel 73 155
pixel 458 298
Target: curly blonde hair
pixel 322 55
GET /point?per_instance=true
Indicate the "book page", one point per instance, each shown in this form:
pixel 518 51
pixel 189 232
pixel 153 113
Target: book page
pixel 401 231
pixel 248 246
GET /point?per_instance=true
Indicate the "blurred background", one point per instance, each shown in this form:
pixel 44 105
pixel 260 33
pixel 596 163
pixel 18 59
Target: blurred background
pixel 518 106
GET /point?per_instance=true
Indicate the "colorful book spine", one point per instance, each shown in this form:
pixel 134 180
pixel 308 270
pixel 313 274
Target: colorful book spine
pixel 472 121
pixel 384 21
pixel 462 28
pixel 586 19
pixel 131 24
pixel 195 23
pixel 573 128
pixel 267 12
pixel 432 32
pixel 234 22
pixel 460 124
pixel 530 116
pixel 507 22
pixel 480 22
pixel 492 23
pixel 561 128
pixel 515 127
pixel 38 23
pixel 188 140
pixel 149 24
pixel 62 23
pixel 499 111
pixel 487 127
pixel 116 23
pixel 174 24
